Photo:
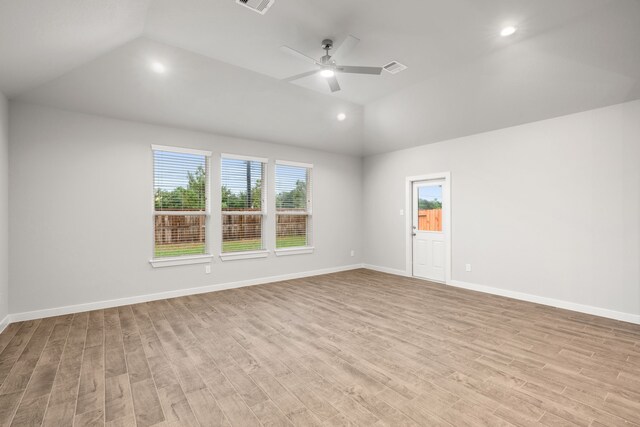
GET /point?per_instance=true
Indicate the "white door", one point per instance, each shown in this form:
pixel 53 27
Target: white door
pixel 429 242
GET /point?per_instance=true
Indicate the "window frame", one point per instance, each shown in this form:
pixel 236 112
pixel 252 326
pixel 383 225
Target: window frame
pixel 309 247
pixel 261 253
pixel 184 259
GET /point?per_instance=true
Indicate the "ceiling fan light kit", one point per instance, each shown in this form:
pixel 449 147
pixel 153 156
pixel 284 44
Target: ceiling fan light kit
pixel 327 65
pixel 327 72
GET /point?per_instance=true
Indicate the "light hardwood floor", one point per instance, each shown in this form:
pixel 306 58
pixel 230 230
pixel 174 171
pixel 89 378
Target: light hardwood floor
pixel 352 348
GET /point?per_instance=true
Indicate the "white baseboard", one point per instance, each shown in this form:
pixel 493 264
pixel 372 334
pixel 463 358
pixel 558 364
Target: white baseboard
pixel 78 308
pixel 386 270
pixel 567 305
pixel 58 311
pixel 5 322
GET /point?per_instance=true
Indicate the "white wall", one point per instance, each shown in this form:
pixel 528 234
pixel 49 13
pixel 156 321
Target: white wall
pixel 81 225
pixel 4 206
pixel 550 209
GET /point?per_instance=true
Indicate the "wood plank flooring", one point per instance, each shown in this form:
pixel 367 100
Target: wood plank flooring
pixel 353 348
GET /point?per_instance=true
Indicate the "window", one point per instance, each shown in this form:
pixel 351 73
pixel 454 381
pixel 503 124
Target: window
pixel 243 204
pixel 181 207
pixel 430 208
pixel 293 205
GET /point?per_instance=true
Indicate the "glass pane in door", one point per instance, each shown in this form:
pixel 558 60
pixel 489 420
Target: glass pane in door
pixel 430 208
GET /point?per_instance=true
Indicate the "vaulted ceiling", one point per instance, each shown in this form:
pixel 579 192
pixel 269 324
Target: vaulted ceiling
pixel 225 68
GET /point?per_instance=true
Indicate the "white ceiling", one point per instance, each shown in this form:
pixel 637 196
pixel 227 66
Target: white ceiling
pixel 40 40
pixel 204 94
pixel 430 36
pixel 225 64
pixel 586 63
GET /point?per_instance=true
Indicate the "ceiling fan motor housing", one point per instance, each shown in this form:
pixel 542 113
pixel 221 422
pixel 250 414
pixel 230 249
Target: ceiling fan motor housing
pixel 327 44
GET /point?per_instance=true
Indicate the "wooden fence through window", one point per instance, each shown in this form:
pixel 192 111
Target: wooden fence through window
pixel 430 220
pixel 241 227
pixel 177 229
pixel 291 225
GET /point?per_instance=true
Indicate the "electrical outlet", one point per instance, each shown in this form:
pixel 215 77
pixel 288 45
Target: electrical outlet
pixel 467 267
pixel 207 269
pixel 401 212
pixel 353 253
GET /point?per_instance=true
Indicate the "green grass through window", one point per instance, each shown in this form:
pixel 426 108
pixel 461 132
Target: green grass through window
pixel 242 245
pixel 290 241
pixel 164 251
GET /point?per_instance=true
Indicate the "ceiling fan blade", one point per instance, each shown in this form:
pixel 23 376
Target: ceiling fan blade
pixel 298 55
pixel 359 70
pixel 333 84
pixel 300 76
pixel 349 43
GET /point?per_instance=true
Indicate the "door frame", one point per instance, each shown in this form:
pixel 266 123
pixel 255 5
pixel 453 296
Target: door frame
pixel 446 219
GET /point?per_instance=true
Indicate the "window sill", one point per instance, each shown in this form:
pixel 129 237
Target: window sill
pixel 232 256
pixel 295 251
pixel 183 260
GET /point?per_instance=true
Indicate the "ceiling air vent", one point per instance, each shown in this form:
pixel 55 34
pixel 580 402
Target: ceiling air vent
pixel 394 67
pixel 260 6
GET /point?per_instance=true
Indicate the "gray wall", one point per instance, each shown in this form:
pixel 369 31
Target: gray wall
pixel 81 225
pixel 550 208
pixel 4 206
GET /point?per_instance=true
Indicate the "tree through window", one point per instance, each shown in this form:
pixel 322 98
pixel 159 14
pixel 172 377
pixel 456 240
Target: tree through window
pixel 242 204
pixel 181 210
pixel 293 205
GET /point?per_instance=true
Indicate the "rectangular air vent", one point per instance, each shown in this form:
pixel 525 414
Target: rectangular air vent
pixel 394 67
pixel 260 6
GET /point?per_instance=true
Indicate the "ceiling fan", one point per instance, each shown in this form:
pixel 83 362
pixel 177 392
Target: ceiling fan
pixel 327 66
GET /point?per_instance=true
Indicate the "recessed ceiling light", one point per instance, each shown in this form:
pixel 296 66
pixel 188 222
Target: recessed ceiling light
pixel 158 67
pixel 341 117
pixel 507 31
pixel 327 73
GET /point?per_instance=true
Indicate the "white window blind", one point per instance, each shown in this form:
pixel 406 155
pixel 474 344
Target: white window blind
pixel 293 205
pixel 181 208
pixel 243 203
